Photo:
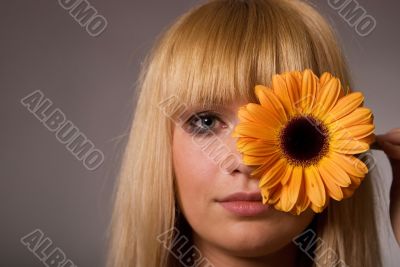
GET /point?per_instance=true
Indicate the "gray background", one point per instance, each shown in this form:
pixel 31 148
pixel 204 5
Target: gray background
pixel 91 80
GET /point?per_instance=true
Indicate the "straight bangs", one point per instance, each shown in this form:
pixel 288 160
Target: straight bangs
pixel 220 51
pixel 213 55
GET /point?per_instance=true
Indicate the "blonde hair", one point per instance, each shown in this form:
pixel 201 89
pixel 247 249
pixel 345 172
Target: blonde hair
pixel 213 54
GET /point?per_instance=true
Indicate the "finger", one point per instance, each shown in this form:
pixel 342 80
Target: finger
pixel 393 137
pixel 394 130
pixel 392 151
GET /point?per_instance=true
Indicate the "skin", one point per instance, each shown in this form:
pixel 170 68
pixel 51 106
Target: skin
pixel 224 238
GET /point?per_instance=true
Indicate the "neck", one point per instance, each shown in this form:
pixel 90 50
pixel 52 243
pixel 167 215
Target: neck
pixel 218 257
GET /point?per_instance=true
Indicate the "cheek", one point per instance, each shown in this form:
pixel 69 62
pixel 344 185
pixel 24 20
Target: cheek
pixel 195 174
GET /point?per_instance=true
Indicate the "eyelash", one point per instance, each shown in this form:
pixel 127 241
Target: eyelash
pixel 194 129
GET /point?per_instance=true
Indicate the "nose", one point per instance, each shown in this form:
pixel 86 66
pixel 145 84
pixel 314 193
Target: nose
pixel 242 168
pixel 236 165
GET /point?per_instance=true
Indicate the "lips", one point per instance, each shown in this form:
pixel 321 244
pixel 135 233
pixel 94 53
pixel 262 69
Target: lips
pixel 244 204
pixel 243 196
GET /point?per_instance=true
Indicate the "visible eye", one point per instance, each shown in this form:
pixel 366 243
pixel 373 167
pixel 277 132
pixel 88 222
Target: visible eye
pixel 204 123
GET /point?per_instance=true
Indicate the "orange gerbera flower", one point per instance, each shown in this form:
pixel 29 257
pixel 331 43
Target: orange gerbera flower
pixel 303 136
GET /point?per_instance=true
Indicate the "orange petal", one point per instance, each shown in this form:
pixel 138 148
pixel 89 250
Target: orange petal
pixel 281 90
pixel 348 191
pixel 328 97
pixel 303 201
pixel 286 201
pixel 369 139
pixel 333 189
pixel 271 195
pixel 316 209
pixel 344 106
pixel 349 146
pixel 350 164
pixel 242 142
pixel 361 115
pixel 259 149
pixel 270 161
pixel 259 90
pixel 330 170
pixel 354 132
pixel 325 77
pixel 293 83
pixel 355 181
pixel 309 87
pixel 263 115
pixel 270 101
pixel 288 174
pixel 253 160
pixel 250 129
pixel 244 115
pixel 294 186
pixel 314 186
pixel 273 176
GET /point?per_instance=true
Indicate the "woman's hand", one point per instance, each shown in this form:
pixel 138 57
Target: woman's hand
pixel 390 144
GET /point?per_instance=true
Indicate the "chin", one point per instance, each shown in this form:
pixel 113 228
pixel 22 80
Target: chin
pixel 254 242
pixel 252 250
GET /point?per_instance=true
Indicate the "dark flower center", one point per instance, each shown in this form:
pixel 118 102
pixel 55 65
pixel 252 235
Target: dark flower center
pixel 304 140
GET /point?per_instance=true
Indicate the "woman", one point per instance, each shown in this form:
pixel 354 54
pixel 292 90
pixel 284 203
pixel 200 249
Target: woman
pixel 168 206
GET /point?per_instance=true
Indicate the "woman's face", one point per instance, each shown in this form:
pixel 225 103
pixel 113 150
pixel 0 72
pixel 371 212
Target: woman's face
pixel 220 201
